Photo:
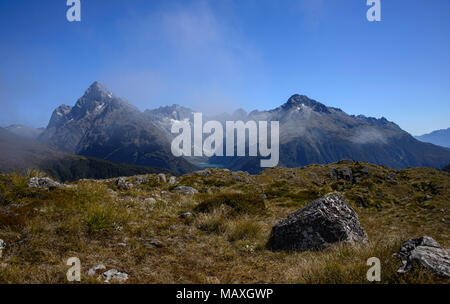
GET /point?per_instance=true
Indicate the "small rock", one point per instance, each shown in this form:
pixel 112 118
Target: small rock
pixel 114 275
pixel 172 180
pixel 140 180
pixel 187 215
pixel 154 242
pixel 2 247
pixel 162 178
pixel 185 190
pixel 426 252
pixel 238 179
pixel 122 245
pixel 122 184
pixel 43 183
pixel 94 269
pixel 150 200
pixel 112 192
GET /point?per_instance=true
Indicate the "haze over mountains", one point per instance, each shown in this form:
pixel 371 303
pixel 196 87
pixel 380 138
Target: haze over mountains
pixel 102 126
pixel 438 137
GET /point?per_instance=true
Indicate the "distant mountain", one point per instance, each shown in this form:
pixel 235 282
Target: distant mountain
pixel 439 137
pixel 25 131
pixel 164 117
pixel 311 132
pixel 103 126
pixel 18 154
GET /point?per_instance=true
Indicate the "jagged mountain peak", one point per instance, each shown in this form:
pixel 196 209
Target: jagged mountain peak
pixel 97 90
pixel 297 102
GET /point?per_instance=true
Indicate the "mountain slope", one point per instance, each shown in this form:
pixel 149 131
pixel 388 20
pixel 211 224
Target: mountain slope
pixel 103 126
pixel 439 137
pixel 25 131
pixel 18 154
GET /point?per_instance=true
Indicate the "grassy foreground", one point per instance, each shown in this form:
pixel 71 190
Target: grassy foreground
pixel 142 232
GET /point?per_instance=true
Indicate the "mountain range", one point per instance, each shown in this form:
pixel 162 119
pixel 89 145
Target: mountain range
pixel 439 137
pixel 102 127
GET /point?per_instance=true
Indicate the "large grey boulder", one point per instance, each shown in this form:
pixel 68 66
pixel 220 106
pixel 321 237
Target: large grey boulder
pixel 427 252
pixel 43 183
pixel 321 223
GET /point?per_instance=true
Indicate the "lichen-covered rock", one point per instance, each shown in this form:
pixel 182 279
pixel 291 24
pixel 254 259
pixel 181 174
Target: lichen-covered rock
pixel 43 183
pixel 426 252
pixel 185 190
pixel 321 223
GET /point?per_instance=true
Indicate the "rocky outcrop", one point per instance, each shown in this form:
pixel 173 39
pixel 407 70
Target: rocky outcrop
pixel 321 223
pixel 426 252
pixel 43 183
pixel 123 184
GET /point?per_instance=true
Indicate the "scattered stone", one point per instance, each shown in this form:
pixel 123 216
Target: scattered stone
pixel 43 183
pixel 122 184
pixel 2 247
pixel 185 190
pixel 96 268
pixel 162 178
pixel 154 242
pixel 140 180
pixel 345 173
pixel 238 179
pixel 321 223
pixel 114 275
pixel 150 200
pixel 333 173
pixel 204 173
pixel 426 252
pixel 172 180
pixel 187 215
pixel 112 192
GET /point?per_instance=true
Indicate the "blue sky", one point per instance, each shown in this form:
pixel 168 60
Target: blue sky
pixel 220 55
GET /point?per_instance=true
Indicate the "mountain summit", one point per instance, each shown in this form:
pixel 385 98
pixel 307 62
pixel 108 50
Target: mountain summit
pixel 103 126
